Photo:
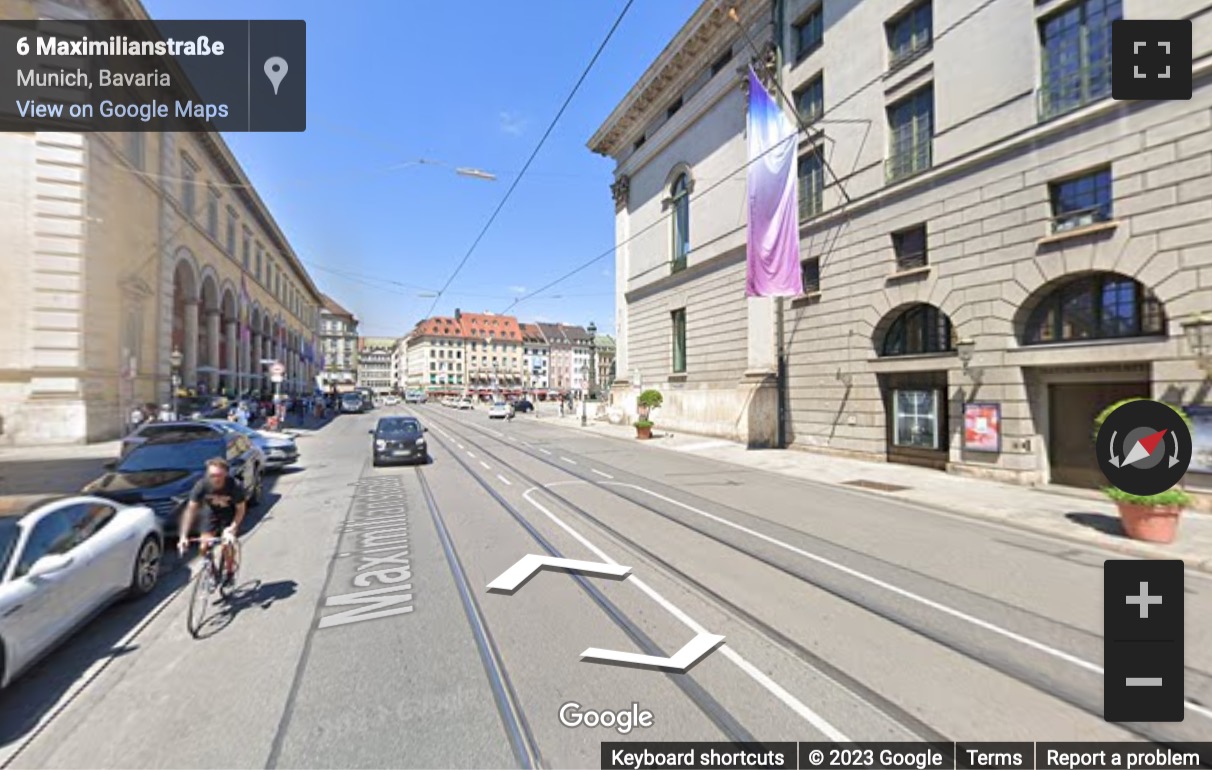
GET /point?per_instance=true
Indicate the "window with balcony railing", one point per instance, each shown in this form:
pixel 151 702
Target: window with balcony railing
pixel 910 248
pixel 811 173
pixel 1081 201
pixel 1075 47
pixel 911 128
pixel 910 34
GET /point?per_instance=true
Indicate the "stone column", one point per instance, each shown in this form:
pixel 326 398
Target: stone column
pixel 189 355
pixel 213 326
pixel 233 359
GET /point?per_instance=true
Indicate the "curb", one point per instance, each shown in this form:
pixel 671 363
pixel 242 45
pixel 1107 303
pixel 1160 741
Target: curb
pixel 1127 547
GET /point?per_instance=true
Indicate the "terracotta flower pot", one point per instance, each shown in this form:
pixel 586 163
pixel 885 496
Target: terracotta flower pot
pixel 643 431
pixel 1151 523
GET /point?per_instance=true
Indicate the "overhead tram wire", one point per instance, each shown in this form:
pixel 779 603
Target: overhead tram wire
pixel 525 167
pixel 660 220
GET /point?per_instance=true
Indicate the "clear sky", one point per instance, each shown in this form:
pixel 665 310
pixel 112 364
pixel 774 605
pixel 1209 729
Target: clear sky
pixel 470 83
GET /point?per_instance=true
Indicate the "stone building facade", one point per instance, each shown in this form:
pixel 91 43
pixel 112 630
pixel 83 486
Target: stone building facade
pixel 339 345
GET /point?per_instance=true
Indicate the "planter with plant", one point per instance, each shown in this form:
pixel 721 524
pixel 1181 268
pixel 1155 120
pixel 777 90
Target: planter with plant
pixel 647 401
pixel 1151 518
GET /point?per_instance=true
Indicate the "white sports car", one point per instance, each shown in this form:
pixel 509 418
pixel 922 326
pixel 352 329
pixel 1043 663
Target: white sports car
pixel 61 562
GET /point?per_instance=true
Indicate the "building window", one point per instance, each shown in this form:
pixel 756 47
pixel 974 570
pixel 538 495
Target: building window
pixel 911 126
pixel 910 248
pixel 910 34
pixel 246 248
pixel 258 273
pixel 719 64
pixel 915 418
pixel 212 214
pixel 920 329
pixel 231 231
pixel 680 201
pixel 810 271
pixel 673 108
pixel 808 33
pixel 189 190
pixel 1092 307
pixel 811 173
pixel 1081 201
pixel 1075 46
pixel 136 146
pixel 810 100
pixel 679 340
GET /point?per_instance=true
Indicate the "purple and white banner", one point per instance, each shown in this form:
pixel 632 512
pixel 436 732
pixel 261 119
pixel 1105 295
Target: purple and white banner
pixel 774 233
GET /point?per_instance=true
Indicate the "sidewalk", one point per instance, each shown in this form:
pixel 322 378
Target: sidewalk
pixel 1079 516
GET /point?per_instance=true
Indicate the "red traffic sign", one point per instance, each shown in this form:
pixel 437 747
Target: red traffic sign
pixel 277 369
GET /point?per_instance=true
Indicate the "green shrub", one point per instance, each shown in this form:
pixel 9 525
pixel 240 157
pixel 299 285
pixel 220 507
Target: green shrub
pixel 643 423
pixel 1174 496
pixel 1103 415
pixel 650 399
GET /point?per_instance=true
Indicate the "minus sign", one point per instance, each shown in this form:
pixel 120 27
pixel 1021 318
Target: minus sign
pixel 1144 681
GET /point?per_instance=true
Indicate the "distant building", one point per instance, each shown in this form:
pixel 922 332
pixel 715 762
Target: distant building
pixel 339 344
pixel 434 357
pixel 536 359
pixel 374 363
pixel 494 352
pixel 604 351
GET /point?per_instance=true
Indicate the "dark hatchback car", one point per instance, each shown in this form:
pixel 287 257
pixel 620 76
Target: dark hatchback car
pixel 399 440
pixel 161 472
pixel 522 406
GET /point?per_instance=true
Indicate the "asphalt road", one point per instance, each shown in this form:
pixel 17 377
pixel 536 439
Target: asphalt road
pixel 363 634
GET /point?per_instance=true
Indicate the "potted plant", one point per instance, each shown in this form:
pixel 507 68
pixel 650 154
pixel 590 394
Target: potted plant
pixel 1152 518
pixel 648 400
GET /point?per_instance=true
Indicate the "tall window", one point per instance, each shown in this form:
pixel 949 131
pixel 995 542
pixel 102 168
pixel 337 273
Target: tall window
pixel 246 248
pixel 231 231
pixel 1081 201
pixel 810 99
pixel 258 273
pixel 915 418
pixel 679 340
pixel 680 201
pixel 1075 45
pixel 1098 306
pixel 911 126
pixel 189 189
pixel 212 214
pixel 811 173
pixel 808 33
pixel 920 329
pixel 810 275
pixel 910 248
pixel 910 34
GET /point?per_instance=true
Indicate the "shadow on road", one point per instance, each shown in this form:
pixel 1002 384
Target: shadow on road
pixel 1108 525
pixel 48 477
pixel 253 593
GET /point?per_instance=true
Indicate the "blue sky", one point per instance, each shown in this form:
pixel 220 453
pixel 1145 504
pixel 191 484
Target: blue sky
pixel 469 84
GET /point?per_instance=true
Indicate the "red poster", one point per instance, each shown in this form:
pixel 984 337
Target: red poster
pixel 983 427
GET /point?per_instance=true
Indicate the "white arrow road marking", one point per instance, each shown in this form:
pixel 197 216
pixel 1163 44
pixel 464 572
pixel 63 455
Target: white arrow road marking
pixel 512 579
pixel 694 651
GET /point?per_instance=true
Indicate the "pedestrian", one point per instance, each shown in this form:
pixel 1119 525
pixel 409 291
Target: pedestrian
pixel 137 418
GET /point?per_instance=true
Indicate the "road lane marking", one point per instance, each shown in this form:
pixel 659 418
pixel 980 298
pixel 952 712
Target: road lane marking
pixel 469 454
pixel 759 676
pixel 460 445
pixel 544 451
pixel 958 614
pixel 487 467
pixel 603 475
pixel 508 483
pixel 568 460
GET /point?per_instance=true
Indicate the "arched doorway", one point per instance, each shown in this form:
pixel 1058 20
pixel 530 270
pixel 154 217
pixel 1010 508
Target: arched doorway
pixel 184 338
pixel 210 339
pixel 229 343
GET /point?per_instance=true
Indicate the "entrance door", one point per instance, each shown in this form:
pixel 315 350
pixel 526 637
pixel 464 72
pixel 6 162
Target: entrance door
pixel 1071 413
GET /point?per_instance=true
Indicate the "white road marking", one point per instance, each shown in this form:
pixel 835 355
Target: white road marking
pixel 487 467
pixel 959 615
pixel 460 445
pixel 568 460
pixel 759 676
pixel 603 475
pixel 544 451
pixel 507 482
pixel 469 454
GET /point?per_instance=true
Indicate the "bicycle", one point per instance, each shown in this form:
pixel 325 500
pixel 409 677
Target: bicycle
pixel 209 580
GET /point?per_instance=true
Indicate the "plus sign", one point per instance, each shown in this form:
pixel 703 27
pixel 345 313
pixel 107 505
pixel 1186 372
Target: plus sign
pixel 1144 600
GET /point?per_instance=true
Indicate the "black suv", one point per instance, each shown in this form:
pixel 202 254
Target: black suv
pixel 399 439
pixel 161 472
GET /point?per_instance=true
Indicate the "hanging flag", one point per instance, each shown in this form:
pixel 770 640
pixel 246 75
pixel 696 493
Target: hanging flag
pixel 773 256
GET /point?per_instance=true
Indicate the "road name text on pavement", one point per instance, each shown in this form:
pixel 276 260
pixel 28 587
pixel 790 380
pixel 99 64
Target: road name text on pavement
pixel 379 528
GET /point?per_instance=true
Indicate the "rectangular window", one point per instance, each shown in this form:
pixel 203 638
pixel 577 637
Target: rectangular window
pixel 808 33
pixel 810 100
pixel 673 108
pixel 231 231
pixel 910 248
pixel 679 340
pixel 915 418
pixel 911 130
pixel 246 248
pixel 1081 201
pixel 189 189
pixel 212 215
pixel 910 34
pixel 719 64
pixel 1075 51
pixel 811 173
pixel 810 270
pixel 258 273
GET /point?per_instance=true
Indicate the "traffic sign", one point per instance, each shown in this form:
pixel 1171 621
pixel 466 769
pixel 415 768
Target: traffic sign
pixel 277 369
pixel 276 378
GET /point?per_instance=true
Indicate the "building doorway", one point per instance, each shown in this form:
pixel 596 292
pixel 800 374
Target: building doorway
pixel 915 410
pixel 1072 408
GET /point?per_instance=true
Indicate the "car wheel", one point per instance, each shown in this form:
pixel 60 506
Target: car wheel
pixel 375 462
pixel 146 570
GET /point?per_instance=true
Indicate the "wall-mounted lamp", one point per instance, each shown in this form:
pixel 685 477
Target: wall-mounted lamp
pixel 1198 332
pixel 964 349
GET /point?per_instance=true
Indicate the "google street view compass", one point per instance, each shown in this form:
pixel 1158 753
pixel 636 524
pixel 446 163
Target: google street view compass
pixel 1144 447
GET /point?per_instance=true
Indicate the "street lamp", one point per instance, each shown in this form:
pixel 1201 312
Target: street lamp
pixel 174 361
pixel 593 358
pixel 584 397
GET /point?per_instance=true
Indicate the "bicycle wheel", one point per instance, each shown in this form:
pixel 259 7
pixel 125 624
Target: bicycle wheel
pixel 200 596
pixel 227 588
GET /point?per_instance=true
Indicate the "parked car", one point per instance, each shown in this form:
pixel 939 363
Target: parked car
pixel 500 410
pixel 61 562
pixel 523 406
pixel 151 429
pixel 465 403
pixel 398 439
pixel 162 471
pixel 199 407
pixel 352 403
pixel 279 448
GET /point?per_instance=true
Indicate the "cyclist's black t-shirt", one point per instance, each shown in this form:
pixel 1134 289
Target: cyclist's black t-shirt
pixel 222 501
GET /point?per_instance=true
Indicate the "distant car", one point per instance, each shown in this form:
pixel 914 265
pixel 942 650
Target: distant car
pixel 415 397
pixel 161 473
pixel 280 449
pixel 391 400
pixel 63 561
pixel 398 439
pixel 500 411
pixel 352 403
pixel 465 403
pixel 523 406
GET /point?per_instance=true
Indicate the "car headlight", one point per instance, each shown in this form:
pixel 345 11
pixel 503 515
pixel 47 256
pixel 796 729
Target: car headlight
pixel 420 442
pixel 380 444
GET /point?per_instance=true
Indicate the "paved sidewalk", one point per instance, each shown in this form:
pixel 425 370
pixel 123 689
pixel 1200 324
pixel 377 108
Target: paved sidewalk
pixel 1079 516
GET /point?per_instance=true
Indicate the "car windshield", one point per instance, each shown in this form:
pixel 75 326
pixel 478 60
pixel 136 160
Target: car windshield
pixel 351 397
pixel 189 454
pixel 398 428
pixel 8 540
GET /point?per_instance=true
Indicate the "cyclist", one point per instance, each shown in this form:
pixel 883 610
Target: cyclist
pixel 220 501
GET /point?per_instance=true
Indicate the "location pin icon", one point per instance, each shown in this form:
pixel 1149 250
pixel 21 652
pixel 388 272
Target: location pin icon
pixel 275 70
